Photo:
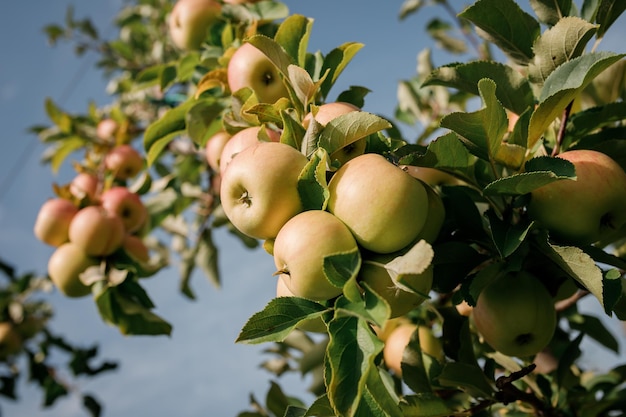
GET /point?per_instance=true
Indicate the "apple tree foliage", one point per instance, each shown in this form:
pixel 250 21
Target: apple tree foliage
pixel 530 81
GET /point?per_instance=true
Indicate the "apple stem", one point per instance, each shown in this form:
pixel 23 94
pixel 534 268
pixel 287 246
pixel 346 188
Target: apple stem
pixel 559 138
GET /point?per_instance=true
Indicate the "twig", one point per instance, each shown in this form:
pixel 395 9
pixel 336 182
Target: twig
pixel 561 134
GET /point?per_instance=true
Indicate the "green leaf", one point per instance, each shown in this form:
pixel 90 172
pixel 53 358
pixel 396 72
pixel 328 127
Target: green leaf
pixel 415 261
pixel 424 404
pixel 506 25
pixel 207 257
pixel 276 401
pixel 446 153
pixel 563 86
pixel 350 355
pixel 274 51
pixel 369 306
pixel 58 116
pixel 165 129
pixel 559 44
pixel 607 13
pixel 513 89
pixel 293 35
pixel 550 11
pixel 583 123
pixel 379 389
pixel 507 237
pixel 342 267
pixel 467 377
pixel 321 408
pixel 348 128
pixel 593 327
pixel 63 150
pixel 312 185
pixel 413 367
pixel 279 317
pixel 335 62
pixel 203 121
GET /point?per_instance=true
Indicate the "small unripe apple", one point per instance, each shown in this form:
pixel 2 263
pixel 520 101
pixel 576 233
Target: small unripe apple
pixel 135 247
pixel 190 21
pixel 127 205
pixel 124 162
pixel 85 186
pixel 106 129
pixel 96 231
pixel 214 147
pixel 65 265
pixel 242 140
pixel 53 221
pixel 313 325
pixel 249 67
pixel 10 340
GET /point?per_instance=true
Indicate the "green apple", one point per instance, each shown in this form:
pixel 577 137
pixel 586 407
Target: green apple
pixel 214 147
pixel 436 215
pixel 249 67
pixel 190 21
pixel 10 340
pixel 53 221
pixel 96 231
pixel 124 162
pixel 300 248
pixel 312 325
pixel 329 111
pixel 65 265
pixel 384 207
pixel 583 211
pixel 125 204
pixel 241 140
pixel 259 190
pixel 515 314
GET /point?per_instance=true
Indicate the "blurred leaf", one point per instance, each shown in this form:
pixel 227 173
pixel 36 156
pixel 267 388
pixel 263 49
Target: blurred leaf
pixel 165 129
pixel 203 121
pixel 410 7
pixel 583 123
pixel 63 149
pixel 593 327
pixel 413 368
pixel 92 405
pixel 276 401
pixel 550 11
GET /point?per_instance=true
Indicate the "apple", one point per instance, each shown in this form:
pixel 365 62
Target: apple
pixel 384 207
pixel 515 314
pixel 436 215
pixel 214 147
pixel 53 221
pixel 135 247
pixel 124 162
pixel 464 308
pixel 65 265
pixel 126 205
pixel 312 325
pixel 329 111
pixel 10 340
pixel 249 67
pixel 190 21
pixel 432 176
pixel 583 211
pixel 85 186
pixel 259 190
pixel 241 140
pixel 398 340
pixel 240 1
pixel 106 129
pixel 97 231
pixel 300 248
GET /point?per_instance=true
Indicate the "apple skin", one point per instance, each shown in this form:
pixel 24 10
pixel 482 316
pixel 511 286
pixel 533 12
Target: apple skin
pixel 10 340
pixel 249 67
pixel 259 190
pixel 240 141
pixel 85 186
pixel 436 215
pixel 214 147
pixel 65 265
pixel 125 204
pixel 135 247
pixel 97 231
pixel 124 161
pixel 300 248
pixel 398 339
pixel 384 207
pixel 190 20
pixel 312 325
pixel 515 314
pixel 106 129
pixel 53 221
pixel 584 211
pixel 432 176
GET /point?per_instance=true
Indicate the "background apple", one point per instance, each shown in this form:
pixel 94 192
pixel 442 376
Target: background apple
pixel 53 221
pixel 241 140
pixel 135 247
pixel 384 207
pixel 515 314
pixel 300 248
pixel 583 211
pixel 124 162
pixel 190 21
pixel 432 176
pixel 249 67
pixel 65 265
pixel 214 147
pixel 106 129
pixel 125 204
pixel 259 190
pixel 96 231
pixel 399 338
pixel 10 340
pixel 85 186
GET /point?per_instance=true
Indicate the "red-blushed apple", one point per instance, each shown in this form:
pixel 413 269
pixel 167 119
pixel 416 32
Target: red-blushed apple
pixel 214 147
pixel 312 325
pixel 97 231
pixel 65 266
pixel 300 248
pixel 85 186
pixel 125 204
pixel 384 207
pixel 586 210
pixel 515 314
pixel 106 129
pixel 240 141
pixel 259 190
pixel 53 221
pixel 10 340
pixel 329 111
pixel 190 21
pixel 398 340
pixel 249 67
pixel 135 247
pixel 124 162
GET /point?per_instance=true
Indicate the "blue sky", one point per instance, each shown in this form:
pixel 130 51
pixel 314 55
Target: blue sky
pixel 199 371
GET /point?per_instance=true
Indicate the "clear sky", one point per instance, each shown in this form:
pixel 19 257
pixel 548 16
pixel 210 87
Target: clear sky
pixel 199 371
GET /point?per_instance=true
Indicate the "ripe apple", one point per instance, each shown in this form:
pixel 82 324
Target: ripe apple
pixel 85 186
pixel 432 176
pixel 106 129
pixel 398 340
pixel 65 265
pixel 259 190
pixel 384 207
pixel 135 247
pixel 240 141
pixel 583 211
pixel 300 248
pixel 10 340
pixel 124 162
pixel 190 21
pixel 312 325
pixel 214 147
pixel 125 204
pixel 436 215
pixel 515 314
pixel 96 231
pixel 53 221
pixel 249 67
pixel 329 111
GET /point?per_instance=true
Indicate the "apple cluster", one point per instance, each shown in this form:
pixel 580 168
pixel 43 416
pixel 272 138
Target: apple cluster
pixel 93 217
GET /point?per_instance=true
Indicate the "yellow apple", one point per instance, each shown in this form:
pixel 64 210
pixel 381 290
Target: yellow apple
pixel 53 221
pixel 190 21
pixel 96 231
pixel 241 140
pixel 124 162
pixel 65 265
pixel 10 340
